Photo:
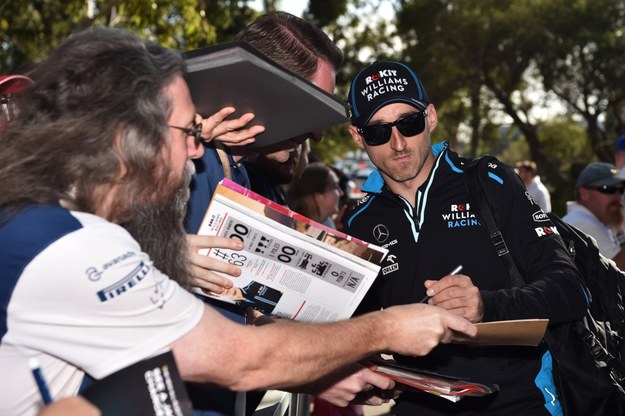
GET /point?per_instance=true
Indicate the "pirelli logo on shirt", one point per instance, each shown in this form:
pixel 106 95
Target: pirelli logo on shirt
pixel 128 282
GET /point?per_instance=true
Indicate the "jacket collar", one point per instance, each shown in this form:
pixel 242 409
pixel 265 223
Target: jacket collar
pixel 375 183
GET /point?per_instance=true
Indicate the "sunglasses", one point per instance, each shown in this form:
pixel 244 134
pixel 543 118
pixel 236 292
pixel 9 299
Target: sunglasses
pixel 607 189
pixel 195 131
pixel 408 126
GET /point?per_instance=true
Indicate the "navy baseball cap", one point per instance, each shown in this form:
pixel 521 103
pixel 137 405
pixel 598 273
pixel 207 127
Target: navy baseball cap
pixel 601 173
pixel 382 83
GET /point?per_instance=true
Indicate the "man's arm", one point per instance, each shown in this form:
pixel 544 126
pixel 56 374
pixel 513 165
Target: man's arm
pixel 356 384
pixel 71 406
pixel 286 353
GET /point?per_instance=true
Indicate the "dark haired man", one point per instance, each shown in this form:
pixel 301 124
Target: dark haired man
pixel 80 294
pixel 302 48
pixel 306 50
pixel 299 46
pixel 417 206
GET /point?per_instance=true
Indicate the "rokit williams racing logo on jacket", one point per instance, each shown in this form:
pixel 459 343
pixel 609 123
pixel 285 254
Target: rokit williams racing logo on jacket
pixel 460 215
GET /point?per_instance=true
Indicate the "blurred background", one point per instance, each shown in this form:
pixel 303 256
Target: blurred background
pixel 520 79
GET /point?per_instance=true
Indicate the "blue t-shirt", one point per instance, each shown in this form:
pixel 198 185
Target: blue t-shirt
pixel 208 172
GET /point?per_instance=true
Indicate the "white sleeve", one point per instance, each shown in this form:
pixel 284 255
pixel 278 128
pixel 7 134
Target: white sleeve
pixel 94 299
pixel 545 199
pixel 605 241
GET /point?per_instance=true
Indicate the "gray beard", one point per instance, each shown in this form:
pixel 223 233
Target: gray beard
pixel 160 232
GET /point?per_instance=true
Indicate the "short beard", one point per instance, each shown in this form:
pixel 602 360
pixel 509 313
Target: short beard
pixel 160 232
pixel 616 218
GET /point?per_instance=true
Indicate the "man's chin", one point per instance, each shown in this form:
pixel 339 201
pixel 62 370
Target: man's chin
pixel 187 174
pixel 159 230
pixel 284 177
pixel 183 190
pixel 177 187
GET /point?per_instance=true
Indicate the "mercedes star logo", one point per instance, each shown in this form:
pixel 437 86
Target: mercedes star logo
pixel 380 232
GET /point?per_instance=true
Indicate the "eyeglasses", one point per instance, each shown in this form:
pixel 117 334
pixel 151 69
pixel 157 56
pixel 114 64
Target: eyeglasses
pixel 8 109
pixel 195 131
pixel 408 126
pixel 608 189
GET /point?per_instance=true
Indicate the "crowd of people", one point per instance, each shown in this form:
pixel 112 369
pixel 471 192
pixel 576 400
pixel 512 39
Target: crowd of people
pixel 104 188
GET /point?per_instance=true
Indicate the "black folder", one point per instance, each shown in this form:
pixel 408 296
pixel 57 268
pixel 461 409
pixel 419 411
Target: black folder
pixel 236 74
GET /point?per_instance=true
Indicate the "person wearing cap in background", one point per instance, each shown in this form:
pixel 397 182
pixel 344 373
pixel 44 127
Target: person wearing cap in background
pixel 9 86
pixel 417 207
pixel 528 171
pixel 598 208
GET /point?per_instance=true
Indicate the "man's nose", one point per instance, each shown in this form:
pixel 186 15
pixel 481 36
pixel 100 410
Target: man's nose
pixel 398 141
pixel 193 151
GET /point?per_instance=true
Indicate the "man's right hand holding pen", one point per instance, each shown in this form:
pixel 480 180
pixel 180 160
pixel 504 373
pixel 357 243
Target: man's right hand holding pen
pixel 456 293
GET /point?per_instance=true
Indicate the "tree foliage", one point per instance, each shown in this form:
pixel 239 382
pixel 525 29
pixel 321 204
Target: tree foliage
pixel 572 48
pixel 361 41
pixel 487 64
pixel 585 66
pixel 28 30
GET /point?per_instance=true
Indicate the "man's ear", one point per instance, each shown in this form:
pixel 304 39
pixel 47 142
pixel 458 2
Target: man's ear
pixel 318 198
pixel 583 194
pixel 432 118
pixel 117 144
pixel 353 131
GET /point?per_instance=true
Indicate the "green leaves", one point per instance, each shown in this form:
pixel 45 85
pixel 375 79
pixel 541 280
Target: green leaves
pixel 487 64
pixel 29 30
